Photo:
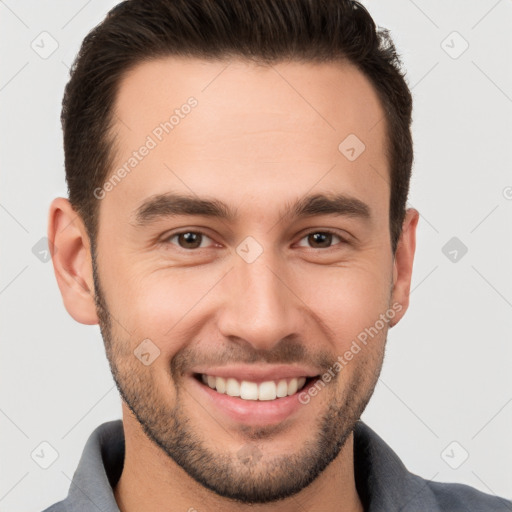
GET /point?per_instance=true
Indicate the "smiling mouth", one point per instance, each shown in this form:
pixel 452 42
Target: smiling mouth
pixel 249 390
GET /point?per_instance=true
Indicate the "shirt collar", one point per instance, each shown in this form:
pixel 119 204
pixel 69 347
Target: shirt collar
pixel 99 470
pixel 383 482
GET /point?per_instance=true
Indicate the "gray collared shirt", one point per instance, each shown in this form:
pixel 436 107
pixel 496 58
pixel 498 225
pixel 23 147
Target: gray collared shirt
pixel 383 482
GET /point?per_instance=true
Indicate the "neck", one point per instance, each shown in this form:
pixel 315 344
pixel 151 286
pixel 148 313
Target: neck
pixel 152 481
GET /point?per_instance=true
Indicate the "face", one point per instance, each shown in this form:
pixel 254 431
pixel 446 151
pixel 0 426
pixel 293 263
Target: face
pixel 264 275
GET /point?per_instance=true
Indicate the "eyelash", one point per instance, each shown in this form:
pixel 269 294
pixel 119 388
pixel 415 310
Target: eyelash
pixel 168 239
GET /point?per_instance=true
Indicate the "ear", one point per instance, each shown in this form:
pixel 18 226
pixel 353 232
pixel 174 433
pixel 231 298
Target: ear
pixel 403 262
pixel 71 256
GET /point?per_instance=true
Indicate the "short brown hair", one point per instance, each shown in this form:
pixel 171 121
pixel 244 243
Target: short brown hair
pixel 260 30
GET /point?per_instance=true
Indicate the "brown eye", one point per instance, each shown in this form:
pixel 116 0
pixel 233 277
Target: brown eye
pixel 321 239
pixel 188 239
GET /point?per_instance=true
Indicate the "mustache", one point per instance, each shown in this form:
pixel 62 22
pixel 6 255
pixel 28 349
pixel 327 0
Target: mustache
pixel 286 351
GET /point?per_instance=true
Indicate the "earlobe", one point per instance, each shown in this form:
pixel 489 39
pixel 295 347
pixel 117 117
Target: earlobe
pixel 403 263
pixel 72 264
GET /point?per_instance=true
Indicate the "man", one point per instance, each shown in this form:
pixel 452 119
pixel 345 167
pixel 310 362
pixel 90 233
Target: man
pixel 238 174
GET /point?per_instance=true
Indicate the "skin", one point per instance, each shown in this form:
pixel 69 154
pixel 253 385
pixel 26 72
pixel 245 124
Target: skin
pixel 260 137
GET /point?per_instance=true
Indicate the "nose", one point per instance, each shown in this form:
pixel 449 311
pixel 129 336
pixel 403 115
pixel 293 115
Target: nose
pixel 261 306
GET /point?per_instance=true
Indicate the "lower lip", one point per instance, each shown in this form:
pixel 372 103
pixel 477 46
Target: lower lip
pixel 252 412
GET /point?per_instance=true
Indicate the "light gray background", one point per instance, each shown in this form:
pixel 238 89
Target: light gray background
pixel 447 372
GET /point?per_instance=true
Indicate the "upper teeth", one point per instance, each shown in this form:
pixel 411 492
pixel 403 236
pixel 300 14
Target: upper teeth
pixel 268 390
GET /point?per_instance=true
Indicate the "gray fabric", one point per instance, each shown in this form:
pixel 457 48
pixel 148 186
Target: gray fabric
pixel 383 482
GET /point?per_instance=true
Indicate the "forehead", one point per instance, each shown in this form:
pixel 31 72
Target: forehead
pixel 255 127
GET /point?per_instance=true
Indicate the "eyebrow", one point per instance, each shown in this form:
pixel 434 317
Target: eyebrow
pixel 171 205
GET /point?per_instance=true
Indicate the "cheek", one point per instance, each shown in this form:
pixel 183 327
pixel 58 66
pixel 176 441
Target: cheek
pixel 166 306
pixel 348 300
